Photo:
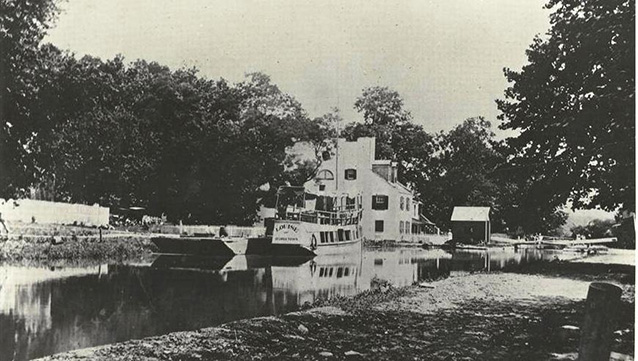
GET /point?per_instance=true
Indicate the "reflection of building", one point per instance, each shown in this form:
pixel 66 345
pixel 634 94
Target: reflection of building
pixel 403 267
pixel 390 211
pixel 471 224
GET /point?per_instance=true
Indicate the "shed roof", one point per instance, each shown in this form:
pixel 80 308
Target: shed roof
pixel 477 214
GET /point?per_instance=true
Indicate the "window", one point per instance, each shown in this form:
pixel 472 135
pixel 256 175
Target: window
pixel 322 187
pixel 401 226
pixel 379 202
pixel 332 237
pixel 407 204
pixel 378 226
pixel 401 203
pixel 322 235
pixel 351 174
pixel 340 234
pixel 407 228
pixel 325 175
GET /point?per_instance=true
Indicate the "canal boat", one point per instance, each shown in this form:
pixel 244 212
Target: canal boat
pixel 211 245
pixel 315 224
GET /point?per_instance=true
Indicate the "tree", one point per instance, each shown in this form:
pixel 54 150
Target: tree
pixel 460 171
pixel 383 112
pixel 574 106
pixel 320 136
pixel 397 137
pixel 465 168
pixel 382 106
pixel 23 24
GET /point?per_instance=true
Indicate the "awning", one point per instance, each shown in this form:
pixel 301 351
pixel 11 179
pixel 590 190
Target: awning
pixel 423 220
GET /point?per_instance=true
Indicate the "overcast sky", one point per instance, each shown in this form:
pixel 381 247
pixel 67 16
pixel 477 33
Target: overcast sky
pixel 445 57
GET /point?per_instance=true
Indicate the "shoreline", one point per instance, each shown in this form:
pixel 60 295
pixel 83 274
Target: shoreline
pixel 500 315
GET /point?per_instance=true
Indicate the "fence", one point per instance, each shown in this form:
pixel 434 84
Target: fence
pixel 29 210
pixel 191 230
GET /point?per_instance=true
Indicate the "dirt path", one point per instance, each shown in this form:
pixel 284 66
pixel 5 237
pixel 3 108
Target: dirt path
pixel 472 317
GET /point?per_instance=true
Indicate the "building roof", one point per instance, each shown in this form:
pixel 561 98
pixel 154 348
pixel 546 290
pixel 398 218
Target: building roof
pixel 476 214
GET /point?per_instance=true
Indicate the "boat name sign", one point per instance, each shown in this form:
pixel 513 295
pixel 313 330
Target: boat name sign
pixel 286 232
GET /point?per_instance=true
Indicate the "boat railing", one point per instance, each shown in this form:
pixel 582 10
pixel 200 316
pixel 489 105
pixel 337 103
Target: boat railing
pixel 339 218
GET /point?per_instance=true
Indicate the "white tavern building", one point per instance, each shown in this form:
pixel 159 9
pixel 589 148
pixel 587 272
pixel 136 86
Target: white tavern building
pixel 390 211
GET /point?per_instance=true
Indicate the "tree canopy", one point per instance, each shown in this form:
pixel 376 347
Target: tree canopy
pixel 574 106
pixel 141 134
pixel 23 24
pixel 138 134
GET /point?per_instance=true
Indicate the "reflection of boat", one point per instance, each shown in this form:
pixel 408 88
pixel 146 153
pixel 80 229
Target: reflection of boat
pixel 190 262
pixel 211 246
pixel 316 224
pixel 235 263
pixel 321 277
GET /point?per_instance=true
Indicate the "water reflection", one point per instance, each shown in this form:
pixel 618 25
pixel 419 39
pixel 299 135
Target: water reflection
pixel 49 310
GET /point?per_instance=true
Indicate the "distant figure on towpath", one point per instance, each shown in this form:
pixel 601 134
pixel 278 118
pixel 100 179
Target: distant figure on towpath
pixel 222 232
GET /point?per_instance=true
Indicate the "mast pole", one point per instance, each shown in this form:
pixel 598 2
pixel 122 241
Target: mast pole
pixel 337 158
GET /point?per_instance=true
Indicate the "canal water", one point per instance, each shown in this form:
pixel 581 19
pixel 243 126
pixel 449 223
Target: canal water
pixel 46 310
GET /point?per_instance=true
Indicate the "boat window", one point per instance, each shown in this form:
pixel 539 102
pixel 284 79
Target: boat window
pixel 325 175
pixel 340 233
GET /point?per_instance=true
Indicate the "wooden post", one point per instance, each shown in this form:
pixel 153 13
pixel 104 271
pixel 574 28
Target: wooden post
pixel 601 311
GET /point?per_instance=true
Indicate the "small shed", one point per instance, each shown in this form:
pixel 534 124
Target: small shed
pixel 471 225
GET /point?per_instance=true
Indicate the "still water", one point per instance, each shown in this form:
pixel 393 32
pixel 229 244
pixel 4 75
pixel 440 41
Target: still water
pixel 46 310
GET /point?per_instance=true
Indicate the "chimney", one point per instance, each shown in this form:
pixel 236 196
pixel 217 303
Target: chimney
pixel 394 172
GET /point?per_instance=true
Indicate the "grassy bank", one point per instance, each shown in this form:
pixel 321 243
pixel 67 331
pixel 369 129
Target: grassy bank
pixel 56 242
pixel 73 248
pixel 499 316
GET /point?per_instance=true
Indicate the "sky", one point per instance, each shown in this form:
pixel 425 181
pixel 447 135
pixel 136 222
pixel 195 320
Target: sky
pixel 445 57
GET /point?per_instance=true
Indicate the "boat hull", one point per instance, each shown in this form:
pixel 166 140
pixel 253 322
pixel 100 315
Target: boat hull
pixel 297 250
pixel 209 246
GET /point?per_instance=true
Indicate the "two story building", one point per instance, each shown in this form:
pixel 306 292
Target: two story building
pixel 390 211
